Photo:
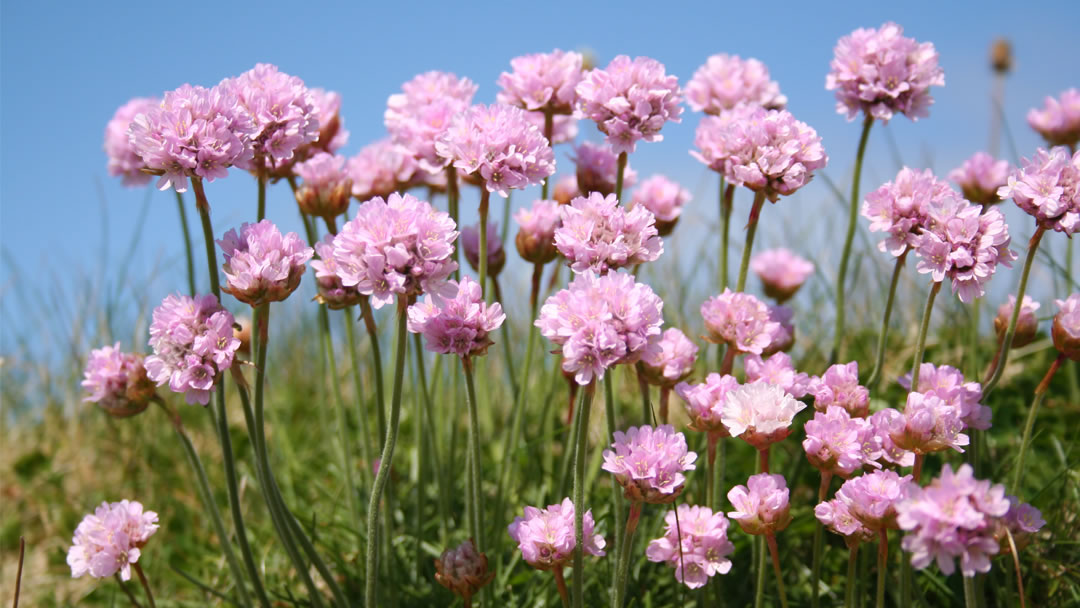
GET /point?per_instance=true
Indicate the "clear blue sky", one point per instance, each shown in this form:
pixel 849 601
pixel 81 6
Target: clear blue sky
pixel 66 66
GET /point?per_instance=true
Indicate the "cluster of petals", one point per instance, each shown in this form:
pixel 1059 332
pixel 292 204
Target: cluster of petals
pixel 1059 119
pixel 418 115
pixel 597 169
pixel 759 413
pixel 839 386
pixel 777 369
pixel 542 82
pixel 900 208
pixel 705 402
pixel 535 239
pixel 726 81
pixel 1048 188
pixel 193 342
pixel 872 498
pixel 109 540
pixel 1027 325
pixel 470 244
pixel 116 381
pixel 261 264
pixel 331 291
pixel 332 133
pixel 597 234
pixel 381 169
pixel 546 536
pixel 630 100
pixel 1066 328
pixel 739 320
pixel 782 336
pixel 838 444
pixel 947 383
pixel 980 178
pixel 834 515
pixel 282 109
pixel 664 199
pixel 649 463
pixel 459 325
pixel 463 570
pixel 884 420
pixel 927 424
pixel 671 360
pixel 761 506
pixel 124 159
pixel 882 72
pixel 764 150
pixel 1021 521
pixel 400 246
pixel 326 187
pixel 694 543
pixel 782 272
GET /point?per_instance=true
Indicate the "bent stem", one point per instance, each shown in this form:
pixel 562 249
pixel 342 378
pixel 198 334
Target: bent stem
pixel 476 508
pixel 145 584
pixel 853 214
pixel 1016 566
pixel 187 243
pixel 623 564
pixel 1025 441
pixel 751 229
pixel 770 539
pixel 879 357
pixel 581 441
pixel 883 558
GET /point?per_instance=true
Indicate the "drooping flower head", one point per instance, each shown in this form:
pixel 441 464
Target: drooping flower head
pixel 928 424
pixel 1048 188
pixel 760 413
pixel 664 199
pixel 1066 329
pixel 597 234
pixel 331 291
pixel 726 81
pixel 261 264
pixel 535 239
pixel 124 159
pixel 597 168
pixel 326 188
pixel 739 320
pixel 601 321
pixel 110 539
pixel 470 244
pixel 695 544
pixel 546 536
pixel 947 383
pixel 900 208
pixel 542 82
pixel 400 246
pixel 705 402
pixel 460 325
pixel 779 370
pixel 671 360
pixel 116 381
pixel 781 271
pixel 1059 119
pixel 761 506
pixel 193 342
pixel 283 110
pixel 463 569
pixel 883 420
pixel 649 463
pixel 837 444
pixel 880 72
pixel 872 497
pixel 418 115
pixel 630 100
pixel 1026 324
pixel 839 386
pixel 980 178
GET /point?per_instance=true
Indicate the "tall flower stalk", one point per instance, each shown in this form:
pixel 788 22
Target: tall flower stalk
pixel 849 238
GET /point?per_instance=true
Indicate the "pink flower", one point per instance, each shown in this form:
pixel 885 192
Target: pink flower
pixel 871 498
pixel 381 169
pixel 947 383
pixel 536 236
pixel 778 370
pixel 900 208
pixel 1048 188
pixel 108 541
pixel 193 342
pixel 546 536
pixel 1066 328
pixel 421 113
pixel 649 463
pixel 597 234
pixel 566 188
pixel 739 320
pixel 671 360
pixel 470 244
pixel 928 424
pixel 761 506
pixel 330 289
pixel 880 72
pixel 781 271
pixel 1026 324
pixel 630 100
pixel 695 544
pixel 782 334
pixel 664 199
pixel 726 81
pixel 980 178
pixel 705 402
pixel 542 81
pixel 261 264
pixel 326 187
pixel 117 381
pixel 456 326
pixel 883 420
pixel 332 134
pixel 760 414
pixel 839 386
pixel 834 515
pixel 400 246
pixel 124 159
pixel 597 168
pixel 1022 521
pixel 838 444
pixel 463 569
pixel 1059 120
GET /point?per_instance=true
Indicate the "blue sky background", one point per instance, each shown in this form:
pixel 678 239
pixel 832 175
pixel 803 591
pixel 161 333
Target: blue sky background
pixel 66 226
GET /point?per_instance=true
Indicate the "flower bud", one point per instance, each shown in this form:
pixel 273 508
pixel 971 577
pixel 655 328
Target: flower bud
pixel 1066 330
pixel 1026 325
pixel 1001 59
pixel 470 243
pixel 463 570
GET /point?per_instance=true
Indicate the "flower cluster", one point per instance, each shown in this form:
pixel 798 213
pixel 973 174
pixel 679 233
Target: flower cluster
pixel 331 291
pixel 124 159
pixel 193 342
pixel 597 169
pixel 881 72
pixel 460 325
pixel 1059 119
pixel 838 444
pixel 671 360
pixel 418 115
pixel 726 81
pixel 782 337
pixel 117 381
pixel 598 234
pixel 834 515
pixel 900 208
pixel 760 413
pixel 778 369
pixel 664 199
pixel 739 320
pixel 535 239
pixel 110 539
pixel 839 386
pixel 980 177
pixel 470 244
pixel 284 113
pixel 630 100
pixel 872 498
pixel 542 82
pixel 761 506
pixel 1026 324
pixel 463 569
pixel 705 402
pixel 649 463
pixel 781 271
pixel 327 186
pixel 1066 328
pixel 883 421
pixel 927 424
pixel 546 536
pixel 261 264
pixel 947 383
pixel 381 169
pixel 1048 188
pixel 332 134
pixel 695 543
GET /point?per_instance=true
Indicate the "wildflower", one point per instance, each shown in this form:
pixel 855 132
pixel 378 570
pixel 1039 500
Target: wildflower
pixel 110 539
pixel 739 320
pixel 782 333
pixel 1048 188
pixel 460 325
pixel 381 169
pixel 705 402
pixel 778 370
pixel 1022 521
pixel 116 381
pixel 834 515
pixel 837 444
pixel 726 81
pixel 421 113
pixel 597 168
pixel 695 544
pixel 124 159
pixel 649 463
pixel 598 235
pixel 947 383
pixel 327 187
pixel 630 100
pixel 900 208
pixel 892 453
pixel 928 424
pixel 872 498
pixel 761 506
pixel 332 134
pixel 331 291
pixel 1026 324
pixel 470 243
pixel 781 271
pixel 535 239
pixel 760 413
pixel 671 360
pixel 542 82
pixel 839 386
pixel 463 570
pixel 193 342
pixel 1066 329
pixel 261 264
pixel 980 178
pixel 1059 119
pixel 664 199
pixel 546 536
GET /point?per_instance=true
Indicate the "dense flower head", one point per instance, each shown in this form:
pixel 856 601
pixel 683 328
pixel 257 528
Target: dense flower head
pixel 535 239
pixel 671 360
pixel 928 424
pixel 777 369
pixel 418 115
pixel 726 81
pixel 124 159
pixel 739 320
pixel 459 325
pixel 705 402
pixel 1048 188
pixel 400 246
pixel 116 381
pixel 838 444
pixel 782 334
pixel 1059 119
pixel 542 81
pixel 331 291
pixel 839 386
pixel 782 272
pixel 261 264
pixel 381 169
pixel 980 177
pixel 499 144
pixel 900 208
pixel 597 234
pixel 597 168
pixel 1026 324
pixel 630 100
pixel 834 515
pixel 1021 521
pixel 193 342
pixel 881 72
pixel 1066 328
pixel 955 516
pixel 947 383
pixel 765 150
pixel 326 187
pixel 332 133
pixel 872 497
pixel 566 189
pixel 463 570
pixel 649 463
pixel 664 199
pixel 470 244
pixel 601 321
pixel 110 539
pixel 760 413
pixel 546 536
pixel 883 420
pixel 761 506
pixel 194 132
pixel 694 543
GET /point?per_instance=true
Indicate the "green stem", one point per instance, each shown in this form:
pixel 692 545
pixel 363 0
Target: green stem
pixel 452 196
pixel 549 128
pixel 343 417
pixel 145 584
pixel 432 439
pixel 123 587
pixel 188 257
pixel 883 558
pixel 620 173
pixel 920 344
pixel 482 261
pixel 376 362
pixel 710 468
pixel 476 508
pixel 751 229
pixel 849 592
pixel 623 564
pixel 1025 442
pixel 647 416
pixel 969 592
pixel 727 193
pixel 853 214
pixel 507 346
pixel 367 445
pixel 759 588
pixel 617 495
pixel 815 570
pixel 581 441
pixel 879 358
pixel 261 181
pixel 770 539
pixel 560 581
pixel 203 206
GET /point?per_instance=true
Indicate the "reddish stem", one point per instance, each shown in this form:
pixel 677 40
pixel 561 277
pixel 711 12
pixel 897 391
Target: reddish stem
pixel 916 473
pixel 729 360
pixel 763 456
pixel 560 582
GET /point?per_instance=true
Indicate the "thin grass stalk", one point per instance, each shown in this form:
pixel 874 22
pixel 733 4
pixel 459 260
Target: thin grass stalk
pixel 581 442
pixel 853 215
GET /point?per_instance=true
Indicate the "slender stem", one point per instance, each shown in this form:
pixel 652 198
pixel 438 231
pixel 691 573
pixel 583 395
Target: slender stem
pixel 710 460
pixel 507 346
pixel 853 214
pixel 1003 353
pixel 729 361
pixel 727 194
pixel 849 592
pixel 879 358
pixel 385 462
pixel 260 179
pixel 431 437
pixel 145 584
pixel 647 415
pixel 203 206
pixel 476 509
pixel 883 558
pixel 620 173
pixel 549 128
pixel 482 264
pixel 623 565
pixel 969 591
pixel 367 445
pixel 188 257
pixel 1016 566
pixel 770 539
pixel 126 590
pixel 344 435
pixel 815 570
pixel 571 438
pixel 560 580
pixel 751 229
pixel 665 399
pixel 516 418
pixel 1025 441
pixel 763 460
pixel 452 196
pixel 759 588
pixel 920 344
pixel 718 474
pixel 376 361
pixel 916 471
pixel 617 495
pixel 18 573
pixel 534 292
pixel 581 441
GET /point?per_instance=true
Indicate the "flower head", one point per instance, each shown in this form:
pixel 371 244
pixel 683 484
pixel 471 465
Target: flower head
pixel 671 360
pixel 630 100
pixel 332 133
pixel 947 383
pixel 463 569
pixel 649 463
pixel 761 506
pixel 883 421
pixel 535 239
pixel 261 264
pixel 470 243
pixel 546 536
pixel 782 333
pixel 777 369
pixel 326 187
pixel 421 113
pixel 760 413
pixel 117 381
pixel 726 81
pixel 900 208
pixel 1026 324
pixel 124 159
pixel 331 291
pixel 193 342
pixel 838 444
pixel 542 81
pixel 834 515
pixel 597 169
pixel 381 169
pixel 1059 119
pixel 664 199
pixel 872 497
pixel 1022 521
pixel 980 177
pixel 694 543
pixel 1066 329
pixel 110 539
pixel 705 402
pixel 597 234
pixel 781 271
pixel 839 386
pixel 928 424
pixel 460 325
pixel 1048 188
pixel 739 320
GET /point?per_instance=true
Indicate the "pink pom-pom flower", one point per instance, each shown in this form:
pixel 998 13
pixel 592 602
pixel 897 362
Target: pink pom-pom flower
pixel 760 413
pixel 331 291
pixel 761 506
pixel 739 320
pixel 381 169
pixel 671 360
pixel 124 159
pixel 1059 119
pixel 947 383
pixel 694 543
pixel 779 370
pixel 110 539
pixel 980 178
pixel 326 187
pixel 597 234
pixel 872 498
pixel 116 381
pixel 839 386
pixel 418 115
pixel 1066 328
pixel 542 82
pixel 781 271
pixel 649 463
pixel 261 264
pixel 664 199
pixel 726 81
pixel 535 239
pixel 1026 324
pixel 900 208
pixel 546 539
pixel 837 444
pixel 630 100
pixel 460 325
pixel 1048 188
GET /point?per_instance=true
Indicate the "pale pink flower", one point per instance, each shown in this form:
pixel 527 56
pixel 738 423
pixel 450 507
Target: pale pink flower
pixel 461 325
pixel 947 383
pixel 779 370
pixel 649 463
pixel 116 381
pixel 1048 188
pixel 331 291
pixel 980 178
pixel 705 402
pixel 760 413
pixel 193 343
pixel 546 539
pixel 630 100
pixel 664 199
pixel 535 239
pixel 110 539
pixel 890 451
pixel 1066 328
pixel 326 187
pixel 739 320
pixel 726 81
pixel 124 159
pixel 381 169
pixel 542 82
pixel 781 271
pixel 834 515
pixel 695 544
pixel 418 115
pixel 761 506
pixel 900 208
pixel 928 424
pixel 597 169
pixel 838 444
pixel 1026 324
pixel 782 332
pixel 671 360
pixel 872 498
pixel 839 386
pixel 597 234
pixel 1059 119
pixel 261 264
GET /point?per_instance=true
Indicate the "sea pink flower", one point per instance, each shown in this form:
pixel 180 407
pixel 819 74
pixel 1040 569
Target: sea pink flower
pixel 1059 119
pixel 947 383
pixel 326 187
pixel 872 497
pixel 398 246
pixel 630 100
pixel 980 178
pixel 739 320
pixel 834 515
pixel 601 321
pixel 421 113
pixel 838 444
pixel 381 169
pixel 331 291
pixel 124 159
pixel 705 402
pixel 782 333
pixel 332 133
pixel 460 325
pixel 1066 328
pixel 1026 324
pixel 597 168
pixel 839 386
pixel 535 239
pixel 261 264
pixel 566 189
pixel 726 81
pixel 927 424
pixel 664 199
pixel 760 413
pixel 1022 521
pixel 109 540
pixel 1048 188
pixel 470 244
pixel 900 208
pixel 546 536
pixel 597 234
pixel 193 342
pixel 671 360
pixel 761 506
pixel 116 381
pixel 779 370
pixel 880 72
pixel 542 82
pixel 695 544
pixel 463 569
pixel 890 452
pixel 781 271
pixel 649 463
